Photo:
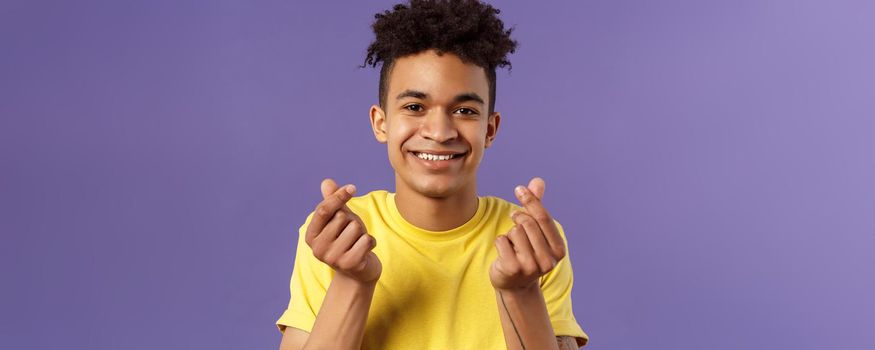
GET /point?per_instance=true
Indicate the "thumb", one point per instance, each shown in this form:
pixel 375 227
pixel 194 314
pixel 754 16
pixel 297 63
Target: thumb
pixel 328 187
pixel 537 186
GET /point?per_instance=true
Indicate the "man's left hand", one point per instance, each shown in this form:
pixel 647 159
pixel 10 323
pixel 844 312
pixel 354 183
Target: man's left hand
pixel 533 246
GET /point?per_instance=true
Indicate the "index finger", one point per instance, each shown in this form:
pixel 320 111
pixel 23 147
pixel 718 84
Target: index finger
pixel 326 209
pixel 536 210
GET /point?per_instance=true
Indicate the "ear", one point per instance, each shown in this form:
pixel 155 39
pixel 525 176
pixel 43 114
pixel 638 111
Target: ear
pixel 378 123
pixel 492 127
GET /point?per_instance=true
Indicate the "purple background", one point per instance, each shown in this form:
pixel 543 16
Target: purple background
pixel 713 163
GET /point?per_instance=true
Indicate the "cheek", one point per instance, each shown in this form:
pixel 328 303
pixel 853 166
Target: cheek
pixel 400 132
pixel 476 136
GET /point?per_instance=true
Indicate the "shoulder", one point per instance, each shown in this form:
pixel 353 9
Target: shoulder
pixel 498 201
pixel 360 204
pixel 498 205
pixel 502 208
pixel 371 206
pixel 370 200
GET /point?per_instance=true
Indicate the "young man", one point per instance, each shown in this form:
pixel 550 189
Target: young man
pixel 452 270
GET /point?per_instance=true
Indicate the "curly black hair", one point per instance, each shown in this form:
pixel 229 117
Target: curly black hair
pixel 469 29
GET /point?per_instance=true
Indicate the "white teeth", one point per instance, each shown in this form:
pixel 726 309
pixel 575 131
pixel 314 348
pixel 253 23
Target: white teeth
pixel 428 156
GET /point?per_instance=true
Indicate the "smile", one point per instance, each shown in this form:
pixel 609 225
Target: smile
pixel 436 157
pixel 438 161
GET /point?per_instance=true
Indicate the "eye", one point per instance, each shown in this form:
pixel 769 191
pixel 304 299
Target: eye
pixel 466 111
pixel 413 107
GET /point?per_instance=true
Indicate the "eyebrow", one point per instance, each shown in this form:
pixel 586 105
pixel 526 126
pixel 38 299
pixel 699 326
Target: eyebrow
pixel 465 97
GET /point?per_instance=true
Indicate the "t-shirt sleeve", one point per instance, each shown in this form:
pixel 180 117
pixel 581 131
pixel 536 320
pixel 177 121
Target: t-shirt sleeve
pixel 556 287
pixel 308 285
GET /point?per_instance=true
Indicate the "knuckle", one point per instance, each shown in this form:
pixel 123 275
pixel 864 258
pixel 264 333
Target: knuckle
pixel 341 215
pixel 501 242
pixel 345 264
pixel 359 266
pixel 322 210
pixel 546 265
pixel 525 218
pixel 529 268
pixel 526 264
pixel 543 259
pixel 559 253
pixel 330 258
pixel 320 257
pixel 516 234
pixel 343 196
pixel 498 238
pixel 512 268
pixel 362 227
pixel 355 226
pixel 541 255
pixel 369 240
pixel 541 216
pixel 319 249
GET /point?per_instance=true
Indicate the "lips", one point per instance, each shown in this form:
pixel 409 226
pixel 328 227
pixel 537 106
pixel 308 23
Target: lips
pixel 438 156
pixel 439 153
pixel 439 160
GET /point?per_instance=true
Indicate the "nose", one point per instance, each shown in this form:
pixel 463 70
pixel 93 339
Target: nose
pixel 438 126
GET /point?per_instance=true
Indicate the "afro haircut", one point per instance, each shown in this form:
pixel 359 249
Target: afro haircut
pixel 469 29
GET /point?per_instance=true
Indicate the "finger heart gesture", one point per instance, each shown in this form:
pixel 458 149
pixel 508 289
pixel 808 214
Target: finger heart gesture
pixel 339 238
pixel 532 247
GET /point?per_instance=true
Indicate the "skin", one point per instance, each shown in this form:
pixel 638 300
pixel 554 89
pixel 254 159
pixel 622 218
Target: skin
pixel 339 239
pixel 531 249
pixel 437 120
pixel 438 103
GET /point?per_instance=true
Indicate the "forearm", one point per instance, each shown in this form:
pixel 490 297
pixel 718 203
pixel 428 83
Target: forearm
pixel 340 323
pixel 524 319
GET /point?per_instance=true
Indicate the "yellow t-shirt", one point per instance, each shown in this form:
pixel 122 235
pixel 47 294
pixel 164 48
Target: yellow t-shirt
pixel 434 292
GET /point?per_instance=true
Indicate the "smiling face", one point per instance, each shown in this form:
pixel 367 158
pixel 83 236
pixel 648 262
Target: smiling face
pixel 436 123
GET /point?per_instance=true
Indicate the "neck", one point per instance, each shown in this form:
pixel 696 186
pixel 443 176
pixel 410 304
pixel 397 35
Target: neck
pixel 436 214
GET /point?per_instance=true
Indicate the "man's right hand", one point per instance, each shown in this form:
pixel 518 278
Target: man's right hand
pixel 339 238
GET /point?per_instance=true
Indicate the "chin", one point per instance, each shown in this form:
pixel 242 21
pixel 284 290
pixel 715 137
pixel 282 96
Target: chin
pixel 434 192
pixel 435 189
